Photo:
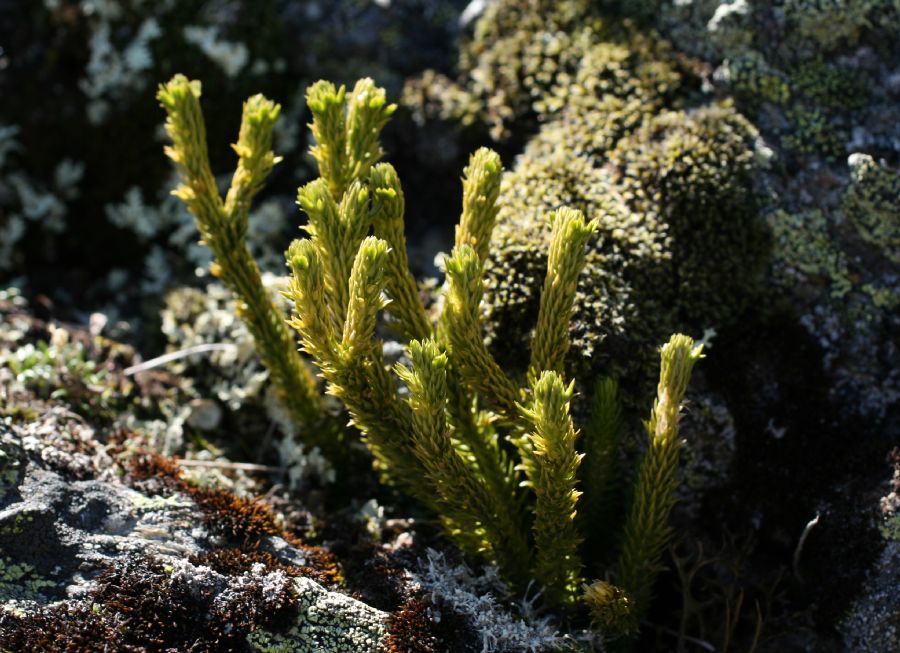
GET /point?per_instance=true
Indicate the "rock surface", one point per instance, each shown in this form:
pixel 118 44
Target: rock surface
pixel 71 531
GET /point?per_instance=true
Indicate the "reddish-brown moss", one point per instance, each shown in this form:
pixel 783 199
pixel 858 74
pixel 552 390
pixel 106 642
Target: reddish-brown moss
pixel 411 629
pixel 238 519
pixel 322 566
pixel 155 467
pixel 243 522
pixel 421 626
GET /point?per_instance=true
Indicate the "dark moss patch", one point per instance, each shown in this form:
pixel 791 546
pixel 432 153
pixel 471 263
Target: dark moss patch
pixel 421 626
pixel 150 468
pixel 138 607
pixel 234 562
pixel 237 519
pixel 375 579
pixel 411 629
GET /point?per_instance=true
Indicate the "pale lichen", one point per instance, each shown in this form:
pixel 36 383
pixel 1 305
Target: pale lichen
pixel 872 203
pixel 326 622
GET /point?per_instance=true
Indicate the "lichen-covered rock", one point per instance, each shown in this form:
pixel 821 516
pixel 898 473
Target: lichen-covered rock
pixel 870 625
pixel 829 23
pixel 65 518
pixel 845 290
pixel 872 202
pixel 81 549
pixel 326 621
pixel 179 605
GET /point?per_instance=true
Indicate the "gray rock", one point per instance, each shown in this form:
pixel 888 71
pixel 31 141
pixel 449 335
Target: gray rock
pixel 66 518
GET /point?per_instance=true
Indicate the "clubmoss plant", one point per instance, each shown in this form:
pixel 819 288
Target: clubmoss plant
pixel 646 533
pixel 495 455
pixel 223 227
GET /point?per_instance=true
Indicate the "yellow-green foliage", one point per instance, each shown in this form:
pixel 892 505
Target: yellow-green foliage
pixel 872 203
pixel 387 219
pixel 565 260
pixel 414 440
pixel 646 533
pixel 223 228
pixel 550 464
pixel 470 510
pixel 465 289
pixel 616 604
pixel 346 129
pixel 438 443
pixel 494 454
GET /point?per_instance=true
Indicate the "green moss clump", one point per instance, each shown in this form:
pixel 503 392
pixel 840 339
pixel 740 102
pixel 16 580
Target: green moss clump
pixel 804 246
pixel 678 242
pixel 622 80
pixel 693 171
pixel 832 87
pixel 605 304
pixel 526 58
pixel 812 131
pixel 872 204
pixel 750 75
pixel 520 50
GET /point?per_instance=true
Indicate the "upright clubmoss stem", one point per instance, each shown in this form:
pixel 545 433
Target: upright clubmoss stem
pixel 223 228
pixel 646 531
